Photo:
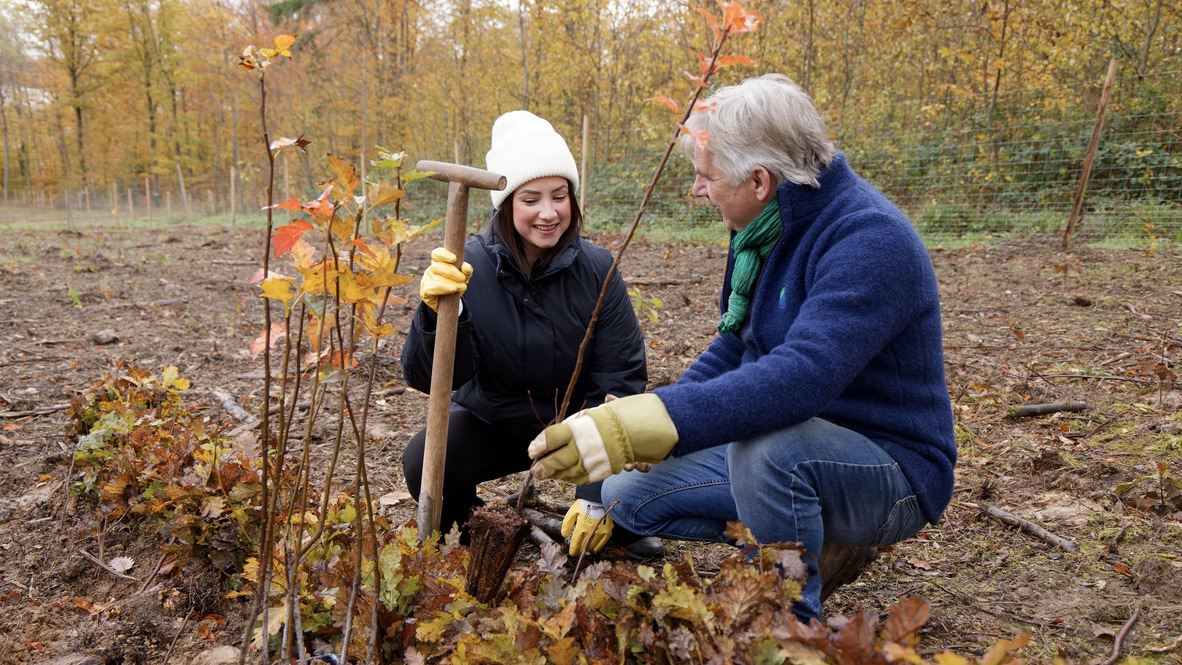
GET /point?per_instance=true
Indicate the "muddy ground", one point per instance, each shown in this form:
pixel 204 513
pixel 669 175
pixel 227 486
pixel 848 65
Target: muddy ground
pixel 1025 323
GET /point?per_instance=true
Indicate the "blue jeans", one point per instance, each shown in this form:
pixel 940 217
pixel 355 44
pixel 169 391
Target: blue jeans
pixel 811 483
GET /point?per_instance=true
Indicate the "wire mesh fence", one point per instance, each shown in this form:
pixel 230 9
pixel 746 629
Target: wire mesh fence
pixel 971 167
pixel 963 167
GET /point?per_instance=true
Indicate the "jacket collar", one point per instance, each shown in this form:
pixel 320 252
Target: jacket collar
pixel 804 201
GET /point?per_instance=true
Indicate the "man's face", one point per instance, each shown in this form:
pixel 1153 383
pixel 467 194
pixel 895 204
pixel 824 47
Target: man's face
pixel 737 204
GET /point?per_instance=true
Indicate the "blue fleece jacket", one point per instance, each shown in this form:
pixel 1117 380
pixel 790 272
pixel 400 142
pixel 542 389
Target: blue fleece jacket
pixel 844 325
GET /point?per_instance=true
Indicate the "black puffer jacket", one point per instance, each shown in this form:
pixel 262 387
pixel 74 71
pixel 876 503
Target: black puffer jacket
pixel 518 338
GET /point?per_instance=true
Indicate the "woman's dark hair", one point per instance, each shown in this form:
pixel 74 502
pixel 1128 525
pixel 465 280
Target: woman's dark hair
pixel 502 227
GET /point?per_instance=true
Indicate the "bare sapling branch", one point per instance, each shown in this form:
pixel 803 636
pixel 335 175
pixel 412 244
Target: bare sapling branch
pixel 736 20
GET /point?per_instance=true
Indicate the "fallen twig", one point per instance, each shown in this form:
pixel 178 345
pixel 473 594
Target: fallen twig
pixel 67 340
pixel 230 404
pixel 155 571
pixel 99 562
pixel 1043 409
pixel 1120 637
pixel 30 361
pixel 550 526
pixel 1166 649
pixel 539 536
pixel 168 654
pixel 40 411
pixel 1026 525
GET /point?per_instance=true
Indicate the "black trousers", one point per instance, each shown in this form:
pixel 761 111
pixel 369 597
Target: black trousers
pixel 476 451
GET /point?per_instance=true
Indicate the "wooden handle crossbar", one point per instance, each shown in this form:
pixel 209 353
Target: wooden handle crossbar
pixel 464 175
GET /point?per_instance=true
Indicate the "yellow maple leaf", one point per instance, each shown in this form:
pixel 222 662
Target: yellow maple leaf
pixel 283 44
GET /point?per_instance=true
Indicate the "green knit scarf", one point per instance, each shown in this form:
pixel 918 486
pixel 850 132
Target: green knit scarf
pixel 751 246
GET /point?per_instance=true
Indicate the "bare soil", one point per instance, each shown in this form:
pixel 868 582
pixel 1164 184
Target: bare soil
pixel 1025 323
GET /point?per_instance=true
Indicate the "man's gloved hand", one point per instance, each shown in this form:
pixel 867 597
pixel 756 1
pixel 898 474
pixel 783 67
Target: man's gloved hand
pixel 587 522
pixel 596 443
pixel 442 277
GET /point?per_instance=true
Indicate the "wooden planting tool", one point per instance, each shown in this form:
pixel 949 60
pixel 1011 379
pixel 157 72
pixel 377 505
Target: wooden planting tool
pixel 459 179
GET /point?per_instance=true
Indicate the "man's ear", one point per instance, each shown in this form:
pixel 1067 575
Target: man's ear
pixel 765 184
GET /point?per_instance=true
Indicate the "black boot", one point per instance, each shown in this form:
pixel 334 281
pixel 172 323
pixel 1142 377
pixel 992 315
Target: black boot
pixel 637 547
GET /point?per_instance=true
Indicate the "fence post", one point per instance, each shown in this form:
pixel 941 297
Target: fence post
pixel 130 208
pixel 148 196
pixel 1077 204
pixel 113 201
pixel 168 204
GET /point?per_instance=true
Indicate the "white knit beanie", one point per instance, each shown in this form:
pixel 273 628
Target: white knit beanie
pixel 525 147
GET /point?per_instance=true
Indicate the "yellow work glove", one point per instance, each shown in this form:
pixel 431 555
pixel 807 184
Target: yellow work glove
pixel 442 277
pixel 596 443
pixel 587 522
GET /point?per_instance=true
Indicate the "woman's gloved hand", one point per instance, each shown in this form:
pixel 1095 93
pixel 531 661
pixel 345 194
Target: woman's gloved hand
pixel 587 522
pixel 442 277
pixel 596 443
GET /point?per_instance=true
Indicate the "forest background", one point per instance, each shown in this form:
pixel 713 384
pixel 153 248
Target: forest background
pixel 974 116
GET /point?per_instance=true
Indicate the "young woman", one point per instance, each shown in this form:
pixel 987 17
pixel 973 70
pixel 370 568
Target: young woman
pixel 529 288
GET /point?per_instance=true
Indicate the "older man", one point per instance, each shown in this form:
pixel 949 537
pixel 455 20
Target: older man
pixel 820 412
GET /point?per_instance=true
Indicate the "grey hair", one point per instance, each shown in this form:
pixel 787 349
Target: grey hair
pixel 766 121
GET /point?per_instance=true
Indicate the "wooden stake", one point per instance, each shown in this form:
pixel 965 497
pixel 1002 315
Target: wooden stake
pixel 130 206
pixel 1077 204
pixel 148 196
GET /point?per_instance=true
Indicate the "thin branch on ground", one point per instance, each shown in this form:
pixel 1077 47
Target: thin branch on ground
pixel 99 562
pixel 1120 637
pixel 1026 525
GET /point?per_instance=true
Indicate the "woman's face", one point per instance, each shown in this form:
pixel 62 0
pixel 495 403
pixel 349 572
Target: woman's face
pixel 541 214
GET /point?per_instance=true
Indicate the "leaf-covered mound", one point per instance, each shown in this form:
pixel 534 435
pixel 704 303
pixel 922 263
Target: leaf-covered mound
pixel 142 454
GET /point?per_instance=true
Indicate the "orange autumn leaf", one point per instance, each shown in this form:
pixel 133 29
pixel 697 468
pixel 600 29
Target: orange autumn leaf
pixel 362 247
pixel 664 99
pixel 291 204
pixel 278 330
pixel 737 19
pixel 704 65
pixel 727 60
pixel 287 235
